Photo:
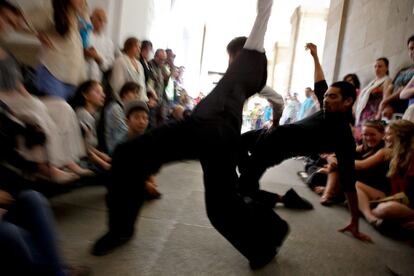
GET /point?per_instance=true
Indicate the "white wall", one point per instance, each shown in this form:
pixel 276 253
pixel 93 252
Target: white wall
pixel 367 30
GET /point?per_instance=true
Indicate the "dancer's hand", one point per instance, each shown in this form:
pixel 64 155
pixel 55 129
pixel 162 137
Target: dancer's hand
pixel 353 228
pixel 312 48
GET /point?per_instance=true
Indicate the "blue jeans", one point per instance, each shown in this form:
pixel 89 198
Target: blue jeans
pixel 51 86
pixel 27 238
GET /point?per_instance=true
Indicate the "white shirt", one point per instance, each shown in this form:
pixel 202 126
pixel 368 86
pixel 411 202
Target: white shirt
pixel 105 48
pixel 274 98
pixel 124 71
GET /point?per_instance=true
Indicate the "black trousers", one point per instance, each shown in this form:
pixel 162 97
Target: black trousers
pixel 260 150
pixel 248 226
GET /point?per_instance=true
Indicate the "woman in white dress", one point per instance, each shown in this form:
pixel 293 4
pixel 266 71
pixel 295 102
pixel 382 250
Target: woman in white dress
pixel 128 68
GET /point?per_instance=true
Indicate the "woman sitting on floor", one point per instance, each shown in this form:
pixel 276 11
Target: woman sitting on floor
pixel 399 208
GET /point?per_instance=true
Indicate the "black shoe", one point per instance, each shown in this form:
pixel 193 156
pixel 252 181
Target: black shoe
pixel 266 198
pixel 265 258
pixel 107 243
pixel 292 200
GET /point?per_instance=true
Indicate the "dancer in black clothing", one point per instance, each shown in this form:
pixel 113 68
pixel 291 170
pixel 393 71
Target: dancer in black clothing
pixel 323 132
pixel 255 230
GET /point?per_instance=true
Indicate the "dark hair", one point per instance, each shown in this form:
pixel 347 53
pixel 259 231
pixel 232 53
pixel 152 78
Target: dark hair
pixel 61 16
pixel 129 87
pixel 78 99
pixel 377 124
pixel 386 62
pixel 354 78
pixel 9 6
pixel 346 89
pixel 236 45
pixel 129 43
pixel 411 38
pixel 146 44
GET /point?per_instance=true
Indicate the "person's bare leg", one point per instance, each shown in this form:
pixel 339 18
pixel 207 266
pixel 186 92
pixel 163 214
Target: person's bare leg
pixel 366 193
pixel 393 210
pixel 78 169
pixel 331 189
pixel 255 41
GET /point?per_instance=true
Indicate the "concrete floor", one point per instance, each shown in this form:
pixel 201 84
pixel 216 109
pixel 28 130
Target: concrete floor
pixel 174 236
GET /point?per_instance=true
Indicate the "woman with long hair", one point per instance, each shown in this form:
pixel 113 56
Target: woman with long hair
pixel 62 65
pixel 399 207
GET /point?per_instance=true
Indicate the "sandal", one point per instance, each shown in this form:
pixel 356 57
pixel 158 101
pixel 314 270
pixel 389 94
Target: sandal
pixel 326 200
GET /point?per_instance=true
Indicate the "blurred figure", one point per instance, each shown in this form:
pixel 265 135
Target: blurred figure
pixel 292 107
pixel 354 80
pixel 136 114
pixel 145 57
pixel 62 65
pixel 100 54
pixel 177 113
pixel 88 101
pixel 160 80
pixel 387 114
pixel 408 93
pixel 128 68
pixel 309 106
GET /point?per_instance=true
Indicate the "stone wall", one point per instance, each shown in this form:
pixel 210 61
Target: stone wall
pixel 360 31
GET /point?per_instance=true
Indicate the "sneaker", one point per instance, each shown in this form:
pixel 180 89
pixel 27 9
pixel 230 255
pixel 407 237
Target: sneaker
pixel 292 200
pixel 267 257
pixel 108 243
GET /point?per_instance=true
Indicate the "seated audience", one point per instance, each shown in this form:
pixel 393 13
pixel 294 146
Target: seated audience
pixel 54 156
pixel 27 238
pixel 387 114
pixel 114 118
pixel 89 98
pixel 354 80
pixel 371 164
pixel 177 113
pixel 396 211
pixel 367 103
pixel 146 51
pixel 128 68
pixel 408 93
pixel 392 94
pixel 100 54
